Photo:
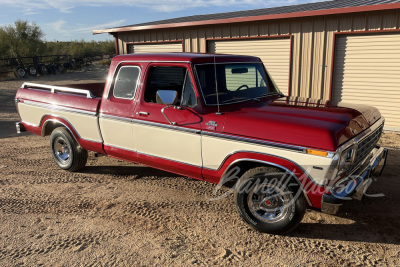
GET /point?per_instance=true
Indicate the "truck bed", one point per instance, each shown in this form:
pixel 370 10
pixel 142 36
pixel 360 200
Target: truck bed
pixel 76 106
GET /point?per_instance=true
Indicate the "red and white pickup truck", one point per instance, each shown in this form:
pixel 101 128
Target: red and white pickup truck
pixel 218 118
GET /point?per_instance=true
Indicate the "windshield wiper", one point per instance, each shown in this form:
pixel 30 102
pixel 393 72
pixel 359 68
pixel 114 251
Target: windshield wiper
pixel 270 94
pixel 233 100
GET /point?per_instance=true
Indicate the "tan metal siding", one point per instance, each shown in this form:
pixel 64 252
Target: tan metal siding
pixel 312 42
pixel 275 53
pixel 154 48
pixel 367 71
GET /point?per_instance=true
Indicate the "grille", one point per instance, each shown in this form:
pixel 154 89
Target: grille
pixel 365 146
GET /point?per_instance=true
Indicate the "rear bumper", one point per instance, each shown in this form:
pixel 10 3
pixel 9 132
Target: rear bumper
pixel 20 127
pixel 354 187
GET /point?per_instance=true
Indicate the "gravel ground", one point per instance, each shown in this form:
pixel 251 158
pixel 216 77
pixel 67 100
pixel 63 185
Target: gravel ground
pixel 118 213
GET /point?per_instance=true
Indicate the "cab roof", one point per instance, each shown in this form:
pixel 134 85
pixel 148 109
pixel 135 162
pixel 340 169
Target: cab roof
pixel 186 57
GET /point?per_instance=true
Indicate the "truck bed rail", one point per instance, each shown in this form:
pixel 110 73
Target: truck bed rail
pixel 53 89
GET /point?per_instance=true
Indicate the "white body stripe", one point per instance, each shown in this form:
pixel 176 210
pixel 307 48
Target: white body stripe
pixel 215 151
pixel 86 125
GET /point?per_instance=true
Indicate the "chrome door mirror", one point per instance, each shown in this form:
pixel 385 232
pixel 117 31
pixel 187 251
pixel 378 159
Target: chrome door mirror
pixel 167 97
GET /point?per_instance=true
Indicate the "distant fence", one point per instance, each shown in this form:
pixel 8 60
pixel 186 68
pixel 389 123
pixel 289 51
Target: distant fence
pixel 42 65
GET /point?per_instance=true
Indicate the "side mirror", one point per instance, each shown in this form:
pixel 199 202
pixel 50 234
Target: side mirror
pixel 167 97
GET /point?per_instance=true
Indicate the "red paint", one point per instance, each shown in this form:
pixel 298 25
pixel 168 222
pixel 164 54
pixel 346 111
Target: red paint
pixel 324 12
pixel 279 120
pixel 156 162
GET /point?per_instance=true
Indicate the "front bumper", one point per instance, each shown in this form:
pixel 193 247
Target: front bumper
pixel 354 187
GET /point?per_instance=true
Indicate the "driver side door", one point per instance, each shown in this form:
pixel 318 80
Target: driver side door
pixel 169 136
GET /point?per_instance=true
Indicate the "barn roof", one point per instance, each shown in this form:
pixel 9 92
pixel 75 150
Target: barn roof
pixel 302 10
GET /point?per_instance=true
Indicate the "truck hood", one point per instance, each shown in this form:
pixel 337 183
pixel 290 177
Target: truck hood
pixel 302 122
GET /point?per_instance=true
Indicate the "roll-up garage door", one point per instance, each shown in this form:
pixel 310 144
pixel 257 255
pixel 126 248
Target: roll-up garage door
pixel 367 71
pixel 275 54
pixel 155 48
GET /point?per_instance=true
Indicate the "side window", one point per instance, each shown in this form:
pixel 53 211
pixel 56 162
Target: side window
pixel 126 82
pixel 170 78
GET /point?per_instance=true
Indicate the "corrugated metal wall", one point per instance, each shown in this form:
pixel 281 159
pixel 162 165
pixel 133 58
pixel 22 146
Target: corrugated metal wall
pixel 274 52
pixel 367 71
pixel 312 47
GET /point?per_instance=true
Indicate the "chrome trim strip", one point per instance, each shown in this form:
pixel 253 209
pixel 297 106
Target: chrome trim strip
pixel 255 141
pixel 53 89
pixel 126 149
pixel 149 123
pixel 54 107
pixel 115 118
pixel 166 126
pixel 266 154
pixel 273 164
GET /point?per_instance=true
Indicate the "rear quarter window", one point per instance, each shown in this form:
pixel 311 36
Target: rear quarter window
pixel 126 82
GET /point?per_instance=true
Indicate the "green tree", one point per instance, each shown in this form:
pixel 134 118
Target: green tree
pixel 21 39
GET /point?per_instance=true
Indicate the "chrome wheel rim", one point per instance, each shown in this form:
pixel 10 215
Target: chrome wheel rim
pixel 268 203
pixel 61 150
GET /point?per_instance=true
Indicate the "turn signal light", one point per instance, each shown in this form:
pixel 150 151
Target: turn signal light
pixel 317 152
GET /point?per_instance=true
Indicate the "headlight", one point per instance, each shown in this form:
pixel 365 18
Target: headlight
pixel 346 159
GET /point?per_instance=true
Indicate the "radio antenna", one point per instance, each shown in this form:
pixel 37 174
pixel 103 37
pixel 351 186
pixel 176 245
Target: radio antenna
pixel 216 86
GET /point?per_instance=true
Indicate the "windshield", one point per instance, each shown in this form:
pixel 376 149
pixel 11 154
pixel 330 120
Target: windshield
pixel 237 82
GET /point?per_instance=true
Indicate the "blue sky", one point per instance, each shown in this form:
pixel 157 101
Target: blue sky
pixel 66 20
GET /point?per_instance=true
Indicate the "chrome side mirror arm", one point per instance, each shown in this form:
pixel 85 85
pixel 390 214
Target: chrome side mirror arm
pixel 165 116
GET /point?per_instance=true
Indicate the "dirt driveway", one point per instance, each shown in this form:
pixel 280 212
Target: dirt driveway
pixel 117 213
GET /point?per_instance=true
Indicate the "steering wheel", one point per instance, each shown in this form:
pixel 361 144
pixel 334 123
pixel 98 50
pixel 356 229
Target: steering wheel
pixel 242 86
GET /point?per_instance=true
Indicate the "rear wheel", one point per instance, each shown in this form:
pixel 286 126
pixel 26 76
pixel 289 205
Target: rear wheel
pixel 66 151
pixel 269 200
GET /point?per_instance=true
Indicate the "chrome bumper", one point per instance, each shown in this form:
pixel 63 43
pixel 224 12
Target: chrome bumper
pixel 20 127
pixel 354 187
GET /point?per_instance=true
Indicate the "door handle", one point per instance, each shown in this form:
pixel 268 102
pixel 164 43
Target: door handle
pixel 142 113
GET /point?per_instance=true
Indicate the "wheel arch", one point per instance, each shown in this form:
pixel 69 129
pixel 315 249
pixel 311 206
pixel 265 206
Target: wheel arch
pixel 246 164
pixel 49 124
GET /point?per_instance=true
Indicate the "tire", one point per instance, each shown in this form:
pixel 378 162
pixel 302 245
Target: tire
pixel 42 69
pixel 66 151
pixel 20 72
pixel 32 71
pixel 269 201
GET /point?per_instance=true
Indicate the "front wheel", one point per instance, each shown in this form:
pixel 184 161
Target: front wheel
pixel 269 200
pixel 66 151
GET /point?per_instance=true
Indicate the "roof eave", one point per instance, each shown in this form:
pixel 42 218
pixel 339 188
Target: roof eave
pixel 255 18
